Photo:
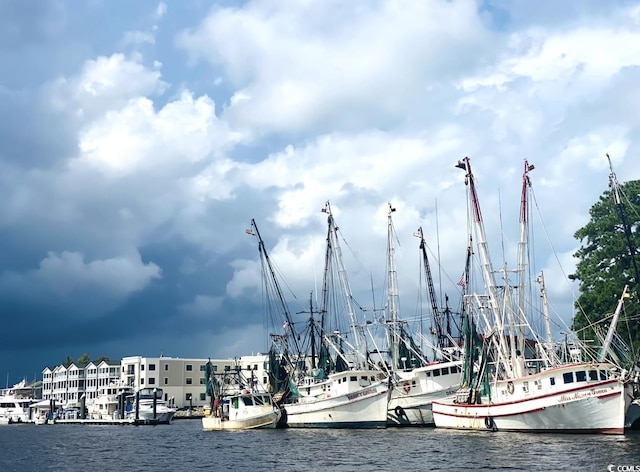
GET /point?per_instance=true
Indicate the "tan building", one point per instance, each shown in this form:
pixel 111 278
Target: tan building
pixel 183 381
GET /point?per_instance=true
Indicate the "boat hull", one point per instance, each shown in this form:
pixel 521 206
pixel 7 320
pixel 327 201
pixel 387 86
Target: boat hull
pixel 411 399
pixel 366 408
pixel 266 420
pixel 589 409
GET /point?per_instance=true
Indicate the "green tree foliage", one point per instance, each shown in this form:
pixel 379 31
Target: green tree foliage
pixel 83 359
pixel 605 264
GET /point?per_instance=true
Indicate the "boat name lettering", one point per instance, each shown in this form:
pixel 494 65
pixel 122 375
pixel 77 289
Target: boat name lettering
pixel 580 395
pixel 361 393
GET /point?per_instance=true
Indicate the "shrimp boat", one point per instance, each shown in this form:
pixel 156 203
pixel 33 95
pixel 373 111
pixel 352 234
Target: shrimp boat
pixel 512 379
pixel 246 409
pixel 330 384
pixel 416 382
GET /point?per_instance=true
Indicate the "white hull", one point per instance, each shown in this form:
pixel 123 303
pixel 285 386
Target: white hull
pixel 412 395
pixel 596 405
pixel 341 404
pixel 263 419
pixel 163 415
pixel 246 410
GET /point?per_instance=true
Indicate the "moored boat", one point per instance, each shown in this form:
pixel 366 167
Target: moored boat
pixel 233 409
pixel 245 410
pixel 512 379
pixel 349 399
pixel 580 397
pixel 15 403
pixel 147 407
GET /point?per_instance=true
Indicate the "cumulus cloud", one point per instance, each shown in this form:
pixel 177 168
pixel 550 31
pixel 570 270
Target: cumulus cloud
pixel 310 74
pixel 67 277
pixel 104 84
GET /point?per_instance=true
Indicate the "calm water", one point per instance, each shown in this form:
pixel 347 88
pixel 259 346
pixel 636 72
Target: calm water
pixel 183 446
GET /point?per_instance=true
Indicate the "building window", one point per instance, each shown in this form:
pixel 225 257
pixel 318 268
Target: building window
pixel 166 367
pixel 188 396
pixel 152 367
pixel 142 381
pixel 152 380
pixel 189 367
pixel 166 381
pixel 142 367
pixel 201 367
pixel 188 380
pixel 202 381
pixel 203 397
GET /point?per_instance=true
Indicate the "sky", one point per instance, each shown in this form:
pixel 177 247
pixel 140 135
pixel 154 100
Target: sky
pixel 139 140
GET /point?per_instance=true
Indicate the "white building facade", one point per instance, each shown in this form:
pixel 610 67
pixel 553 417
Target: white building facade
pixel 182 380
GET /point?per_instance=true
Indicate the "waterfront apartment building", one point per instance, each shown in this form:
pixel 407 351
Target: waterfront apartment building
pixel 66 385
pixel 183 381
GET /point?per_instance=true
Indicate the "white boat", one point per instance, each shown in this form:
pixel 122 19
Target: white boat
pixel 514 384
pixel 15 402
pixel 110 402
pixel 416 382
pixel 246 410
pixel 350 399
pixel 332 386
pixel 40 420
pixel 148 407
pixel 415 390
pixel 581 397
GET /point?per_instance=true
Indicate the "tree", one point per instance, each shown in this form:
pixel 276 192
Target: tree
pixel 68 361
pixel 605 262
pixel 83 359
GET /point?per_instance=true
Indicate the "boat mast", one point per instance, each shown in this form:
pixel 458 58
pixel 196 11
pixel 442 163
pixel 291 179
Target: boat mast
pixel 392 294
pixel 523 247
pixel 487 269
pixel 342 274
pixel 443 339
pixel 288 323
pixel 547 321
pixel 612 327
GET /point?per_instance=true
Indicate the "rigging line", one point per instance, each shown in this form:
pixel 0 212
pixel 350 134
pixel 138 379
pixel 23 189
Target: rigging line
pixel 438 246
pixel 555 254
pixel 504 256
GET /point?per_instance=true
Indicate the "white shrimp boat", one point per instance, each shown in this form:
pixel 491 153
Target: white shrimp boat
pixel 581 397
pixel 350 399
pixel 246 410
pixel 514 384
pixel 415 391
